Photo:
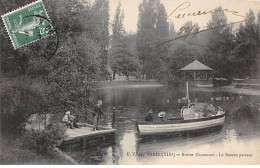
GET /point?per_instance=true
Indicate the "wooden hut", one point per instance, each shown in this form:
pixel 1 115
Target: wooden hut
pixel 197 73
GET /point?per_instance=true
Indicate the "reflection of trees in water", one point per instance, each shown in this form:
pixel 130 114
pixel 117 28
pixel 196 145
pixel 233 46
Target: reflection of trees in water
pixel 246 121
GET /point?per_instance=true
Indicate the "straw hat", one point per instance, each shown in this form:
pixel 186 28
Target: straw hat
pixel 161 114
pixel 68 113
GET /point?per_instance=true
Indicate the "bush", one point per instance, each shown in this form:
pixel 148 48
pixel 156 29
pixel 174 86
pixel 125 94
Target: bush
pixel 43 142
pixel 19 99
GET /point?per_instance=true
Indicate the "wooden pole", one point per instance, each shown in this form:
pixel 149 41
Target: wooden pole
pixel 113 119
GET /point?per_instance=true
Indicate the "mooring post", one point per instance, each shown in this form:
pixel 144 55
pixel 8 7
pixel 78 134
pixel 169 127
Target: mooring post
pixel 113 118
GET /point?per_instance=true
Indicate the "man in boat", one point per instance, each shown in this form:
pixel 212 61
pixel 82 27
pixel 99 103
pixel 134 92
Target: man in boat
pixel 210 110
pixel 161 116
pixel 149 116
pixel 182 102
pixel 97 115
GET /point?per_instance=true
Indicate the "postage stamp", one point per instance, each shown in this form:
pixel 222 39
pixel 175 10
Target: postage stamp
pixel 27 24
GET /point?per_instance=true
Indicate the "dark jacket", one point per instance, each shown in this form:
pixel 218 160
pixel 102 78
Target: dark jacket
pixel 148 117
pixel 97 110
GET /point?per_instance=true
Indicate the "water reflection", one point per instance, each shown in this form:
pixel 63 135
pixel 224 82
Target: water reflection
pixel 131 104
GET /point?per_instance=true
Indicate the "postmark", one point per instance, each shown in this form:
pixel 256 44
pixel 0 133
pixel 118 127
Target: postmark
pixel 27 24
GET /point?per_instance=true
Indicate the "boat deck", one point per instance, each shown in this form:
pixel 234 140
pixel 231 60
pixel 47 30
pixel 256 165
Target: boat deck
pixel 84 132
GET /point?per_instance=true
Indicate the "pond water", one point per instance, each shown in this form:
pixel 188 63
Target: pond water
pixel 236 143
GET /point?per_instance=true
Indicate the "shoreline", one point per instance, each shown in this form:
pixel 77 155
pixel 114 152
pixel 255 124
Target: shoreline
pixel 229 89
pixel 154 83
pixel 129 84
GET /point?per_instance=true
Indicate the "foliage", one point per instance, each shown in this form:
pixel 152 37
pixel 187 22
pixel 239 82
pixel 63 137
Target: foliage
pixel 153 29
pixel 246 48
pixel 33 147
pixel 101 9
pixel 123 61
pixel 231 55
pixel 43 142
pixel 32 84
pixel 19 99
pixel 122 54
pixel 66 81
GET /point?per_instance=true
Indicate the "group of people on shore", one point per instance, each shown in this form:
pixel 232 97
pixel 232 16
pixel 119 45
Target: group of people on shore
pixel 69 119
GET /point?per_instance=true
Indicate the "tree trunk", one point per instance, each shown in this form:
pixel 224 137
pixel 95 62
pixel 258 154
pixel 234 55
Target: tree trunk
pixel 114 75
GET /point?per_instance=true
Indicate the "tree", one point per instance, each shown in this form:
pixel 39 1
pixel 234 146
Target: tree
pixel 220 44
pixel 152 29
pixel 117 25
pixel 101 9
pixel 65 82
pixel 172 31
pixel 122 52
pixel 247 47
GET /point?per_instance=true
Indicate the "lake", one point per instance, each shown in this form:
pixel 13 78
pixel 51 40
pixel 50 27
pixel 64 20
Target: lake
pixel 236 143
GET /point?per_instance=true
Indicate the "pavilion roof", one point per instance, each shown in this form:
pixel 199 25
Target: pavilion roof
pixel 196 66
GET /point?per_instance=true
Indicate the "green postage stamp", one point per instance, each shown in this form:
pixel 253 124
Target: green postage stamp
pixel 27 24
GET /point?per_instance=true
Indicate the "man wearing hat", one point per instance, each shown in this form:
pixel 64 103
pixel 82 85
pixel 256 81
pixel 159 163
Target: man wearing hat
pixel 161 116
pixel 149 116
pixel 97 115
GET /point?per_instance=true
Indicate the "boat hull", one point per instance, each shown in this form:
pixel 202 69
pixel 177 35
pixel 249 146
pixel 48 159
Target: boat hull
pixel 176 126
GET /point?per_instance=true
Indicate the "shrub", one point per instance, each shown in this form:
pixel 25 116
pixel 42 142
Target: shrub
pixel 43 142
pixel 19 99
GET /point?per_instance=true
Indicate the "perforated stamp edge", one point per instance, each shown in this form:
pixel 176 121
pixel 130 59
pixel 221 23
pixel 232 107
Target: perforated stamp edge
pixel 18 9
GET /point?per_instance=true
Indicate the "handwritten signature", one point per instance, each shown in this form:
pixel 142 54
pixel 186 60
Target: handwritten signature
pixel 194 30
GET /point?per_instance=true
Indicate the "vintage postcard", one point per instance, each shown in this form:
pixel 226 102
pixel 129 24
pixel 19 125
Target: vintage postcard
pixel 130 82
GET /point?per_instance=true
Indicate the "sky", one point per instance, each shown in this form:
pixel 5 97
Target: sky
pixel 130 8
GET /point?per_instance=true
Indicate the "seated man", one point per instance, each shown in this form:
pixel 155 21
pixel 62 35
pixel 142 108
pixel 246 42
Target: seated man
pixel 189 113
pixel 192 110
pixel 72 120
pixel 67 120
pixel 149 116
pixel 210 110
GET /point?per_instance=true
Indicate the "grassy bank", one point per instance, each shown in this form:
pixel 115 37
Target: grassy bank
pixel 33 146
pixel 13 152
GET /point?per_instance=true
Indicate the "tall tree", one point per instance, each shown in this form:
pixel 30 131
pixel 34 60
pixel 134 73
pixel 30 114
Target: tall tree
pixel 101 8
pixel 219 44
pixel 117 25
pixel 152 29
pixel 160 58
pixel 117 37
pixel 246 50
pixel 172 31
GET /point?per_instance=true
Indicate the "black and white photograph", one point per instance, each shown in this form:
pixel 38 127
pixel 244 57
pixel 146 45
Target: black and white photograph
pixel 130 82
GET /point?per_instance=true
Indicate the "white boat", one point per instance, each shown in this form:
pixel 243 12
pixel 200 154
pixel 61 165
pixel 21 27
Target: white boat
pixel 179 125
pixel 205 86
pixel 192 119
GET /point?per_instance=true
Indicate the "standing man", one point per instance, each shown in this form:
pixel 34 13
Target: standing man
pixel 149 116
pixel 97 114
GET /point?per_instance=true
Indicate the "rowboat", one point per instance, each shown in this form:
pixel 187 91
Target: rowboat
pixel 192 119
pixel 179 125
